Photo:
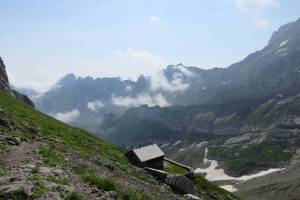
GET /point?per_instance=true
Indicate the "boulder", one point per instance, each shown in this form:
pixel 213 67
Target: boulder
pixel 51 196
pixel 181 184
pixel 16 190
pixel 111 195
pixel 10 140
pixel 23 98
pixel 8 124
pixel 45 171
pixel 33 129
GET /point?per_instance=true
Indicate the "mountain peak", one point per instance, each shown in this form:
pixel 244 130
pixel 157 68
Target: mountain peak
pixel 68 79
pixel 287 32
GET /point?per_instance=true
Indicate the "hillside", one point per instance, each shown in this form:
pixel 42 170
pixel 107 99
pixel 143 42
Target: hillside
pixel 42 158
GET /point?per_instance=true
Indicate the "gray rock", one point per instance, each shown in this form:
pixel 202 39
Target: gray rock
pixel 16 187
pixel 181 183
pixel 57 187
pixel 33 129
pixel 45 171
pixel 51 196
pixel 4 84
pixel 10 140
pixel 8 124
pixel 112 195
pixel 58 173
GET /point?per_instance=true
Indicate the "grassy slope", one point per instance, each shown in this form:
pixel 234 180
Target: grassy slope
pixel 87 145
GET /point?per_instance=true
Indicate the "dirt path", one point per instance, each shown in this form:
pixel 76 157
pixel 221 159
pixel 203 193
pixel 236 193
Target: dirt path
pixel 17 156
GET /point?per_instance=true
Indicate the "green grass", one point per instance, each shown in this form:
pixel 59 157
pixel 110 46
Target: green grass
pixel 107 184
pixel 60 181
pixel 263 111
pixel 39 190
pixel 208 117
pixel 73 137
pixel 92 178
pixel 17 195
pixel 175 169
pixel 100 182
pixel 2 171
pixel 52 157
pixel 242 160
pixel 209 191
pixel 73 196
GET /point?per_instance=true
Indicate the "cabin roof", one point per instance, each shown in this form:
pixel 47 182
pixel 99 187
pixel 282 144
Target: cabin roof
pixel 148 152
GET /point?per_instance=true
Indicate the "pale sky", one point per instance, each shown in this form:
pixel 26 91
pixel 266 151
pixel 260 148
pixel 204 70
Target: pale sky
pixel 42 40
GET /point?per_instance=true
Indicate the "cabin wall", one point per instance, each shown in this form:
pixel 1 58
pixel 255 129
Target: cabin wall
pixel 157 163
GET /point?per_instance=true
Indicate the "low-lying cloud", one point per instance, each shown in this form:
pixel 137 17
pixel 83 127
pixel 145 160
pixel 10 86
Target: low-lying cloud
pixel 68 116
pixel 95 105
pixel 160 82
pixel 141 99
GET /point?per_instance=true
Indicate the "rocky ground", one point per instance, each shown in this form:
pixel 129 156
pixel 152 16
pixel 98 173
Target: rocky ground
pixel 27 176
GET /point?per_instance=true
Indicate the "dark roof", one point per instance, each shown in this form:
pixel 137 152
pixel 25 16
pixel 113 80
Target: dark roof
pixel 148 152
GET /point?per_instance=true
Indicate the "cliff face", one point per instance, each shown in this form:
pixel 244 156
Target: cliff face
pixel 4 85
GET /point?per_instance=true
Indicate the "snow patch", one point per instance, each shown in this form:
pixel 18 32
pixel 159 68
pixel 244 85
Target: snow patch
pixel 201 144
pixel 182 149
pixel 229 188
pixel 192 145
pixel 164 145
pixel 176 143
pixel 214 174
pixel 282 51
pixel 283 43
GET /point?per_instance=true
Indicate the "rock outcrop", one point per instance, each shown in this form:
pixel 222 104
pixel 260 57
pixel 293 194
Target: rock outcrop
pixel 181 183
pixel 4 85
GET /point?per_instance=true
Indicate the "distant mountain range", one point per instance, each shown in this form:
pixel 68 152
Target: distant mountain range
pixel 268 73
pixel 247 115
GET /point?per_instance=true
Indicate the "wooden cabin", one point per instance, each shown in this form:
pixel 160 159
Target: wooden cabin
pixel 147 156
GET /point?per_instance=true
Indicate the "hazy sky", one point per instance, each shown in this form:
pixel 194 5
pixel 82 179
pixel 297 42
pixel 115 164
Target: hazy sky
pixel 42 40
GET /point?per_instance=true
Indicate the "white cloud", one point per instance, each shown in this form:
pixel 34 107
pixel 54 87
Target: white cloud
pixel 248 5
pixel 68 116
pixel 155 19
pixel 95 105
pixel 142 56
pixel 160 82
pixel 139 61
pixel 40 84
pixel 255 9
pixel 141 99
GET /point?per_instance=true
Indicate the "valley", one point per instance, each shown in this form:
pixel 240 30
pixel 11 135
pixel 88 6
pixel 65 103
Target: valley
pixel 245 115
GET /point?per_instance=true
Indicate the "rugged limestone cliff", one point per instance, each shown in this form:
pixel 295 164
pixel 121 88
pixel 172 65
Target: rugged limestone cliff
pixel 4 85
